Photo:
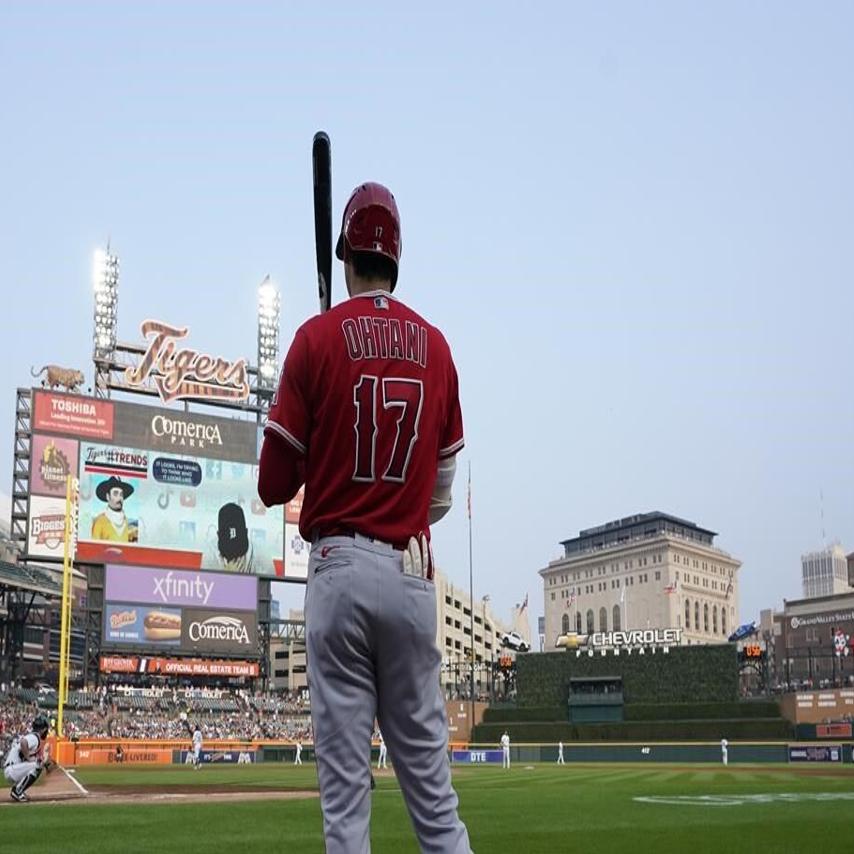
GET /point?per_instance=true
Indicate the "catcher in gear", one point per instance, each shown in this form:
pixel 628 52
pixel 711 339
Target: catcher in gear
pixel 24 762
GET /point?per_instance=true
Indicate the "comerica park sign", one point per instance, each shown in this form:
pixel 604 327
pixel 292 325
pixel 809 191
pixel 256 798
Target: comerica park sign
pixel 639 639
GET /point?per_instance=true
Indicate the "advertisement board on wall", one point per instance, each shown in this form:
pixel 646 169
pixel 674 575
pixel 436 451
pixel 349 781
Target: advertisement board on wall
pixel 53 460
pixel 141 625
pixel 157 486
pixel 185 630
pixel 296 548
pixel 817 753
pixel 188 612
pixel 178 666
pixel 46 528
pixel 72 415
pixel 232 632
pixel 156 586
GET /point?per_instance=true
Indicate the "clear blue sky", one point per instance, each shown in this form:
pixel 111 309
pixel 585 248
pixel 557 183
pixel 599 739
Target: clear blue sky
pixel 633 221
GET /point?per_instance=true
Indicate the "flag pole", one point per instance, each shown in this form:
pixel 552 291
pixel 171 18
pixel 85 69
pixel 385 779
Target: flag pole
pixel 471 604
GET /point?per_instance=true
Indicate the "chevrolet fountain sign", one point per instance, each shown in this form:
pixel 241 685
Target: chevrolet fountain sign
pixel 639 639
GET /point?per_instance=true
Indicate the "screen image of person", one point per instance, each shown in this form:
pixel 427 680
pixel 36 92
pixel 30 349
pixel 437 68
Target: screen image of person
pixel 112 523
pixel 235 553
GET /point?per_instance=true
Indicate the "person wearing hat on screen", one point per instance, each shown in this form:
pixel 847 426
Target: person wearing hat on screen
pixel 113 524
pixel 235 553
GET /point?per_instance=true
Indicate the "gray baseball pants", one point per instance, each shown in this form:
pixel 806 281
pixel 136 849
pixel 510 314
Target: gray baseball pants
pixel 371 652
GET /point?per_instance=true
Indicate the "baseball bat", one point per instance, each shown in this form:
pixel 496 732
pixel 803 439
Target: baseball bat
pixel 321 160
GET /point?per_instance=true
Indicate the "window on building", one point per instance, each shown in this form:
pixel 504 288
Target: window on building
pixel 553 597
pixel 697 615
pixel 705 617
pixel 603 620
pixel 578 622
pixel 715 619
pixel 590 627
pixel 723 621
pixel 687 614
pixel 457 624
pixel 449 621
pixel 448 642
pixel 564 624
pixel 658 575
pixel 616 618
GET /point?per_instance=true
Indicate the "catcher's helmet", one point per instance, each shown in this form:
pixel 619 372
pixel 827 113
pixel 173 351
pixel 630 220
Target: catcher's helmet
pixel 41 726
pixel 370 223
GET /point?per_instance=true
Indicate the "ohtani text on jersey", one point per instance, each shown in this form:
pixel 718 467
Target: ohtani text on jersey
pixel 385 338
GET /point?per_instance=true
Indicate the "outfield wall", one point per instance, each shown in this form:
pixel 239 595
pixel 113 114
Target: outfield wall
pixel 685 674
pixel 102 752
pixel 741 752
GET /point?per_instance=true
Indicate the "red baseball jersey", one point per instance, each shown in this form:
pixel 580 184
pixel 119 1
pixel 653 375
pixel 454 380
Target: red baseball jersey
pixel 369 396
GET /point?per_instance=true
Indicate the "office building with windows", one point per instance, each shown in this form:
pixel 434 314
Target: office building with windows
pixel 651 570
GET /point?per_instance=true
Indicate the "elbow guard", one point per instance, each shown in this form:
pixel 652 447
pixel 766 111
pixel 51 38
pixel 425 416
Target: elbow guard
pixel 441 500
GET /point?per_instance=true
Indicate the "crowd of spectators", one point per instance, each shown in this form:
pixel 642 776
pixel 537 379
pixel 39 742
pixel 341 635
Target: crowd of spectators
pixel 129 712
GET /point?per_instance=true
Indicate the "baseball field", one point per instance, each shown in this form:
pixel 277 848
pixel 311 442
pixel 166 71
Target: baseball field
pixel 531 808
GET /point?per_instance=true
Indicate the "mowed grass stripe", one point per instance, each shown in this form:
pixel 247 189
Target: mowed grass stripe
pixel 544 811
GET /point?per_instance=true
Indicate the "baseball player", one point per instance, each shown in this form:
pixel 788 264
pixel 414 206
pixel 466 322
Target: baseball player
pixel 24 762
pixel 382 762
pixel 298 759
pixel 724 751
pixel 197 747
pixel 560 753
pixel 505 749
pixel 367 415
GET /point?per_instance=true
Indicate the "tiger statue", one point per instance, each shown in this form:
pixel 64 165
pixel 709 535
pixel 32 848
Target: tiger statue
pixel 54 376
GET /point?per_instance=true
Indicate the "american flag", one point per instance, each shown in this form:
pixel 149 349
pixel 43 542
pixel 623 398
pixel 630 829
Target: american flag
pixel 671 588
pixel 571 598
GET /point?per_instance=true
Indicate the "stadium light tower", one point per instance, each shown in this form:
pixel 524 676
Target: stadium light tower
pixel 106 282
pixel 269 313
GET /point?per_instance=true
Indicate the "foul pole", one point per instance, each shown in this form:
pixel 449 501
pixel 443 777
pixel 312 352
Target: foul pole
pixel 71 492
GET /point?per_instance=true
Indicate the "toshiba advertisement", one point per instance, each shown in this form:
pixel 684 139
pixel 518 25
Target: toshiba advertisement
pixel 158 487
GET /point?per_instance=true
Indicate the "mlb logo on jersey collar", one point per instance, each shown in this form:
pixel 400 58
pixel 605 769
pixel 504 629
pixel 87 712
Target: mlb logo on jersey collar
pixel 381 302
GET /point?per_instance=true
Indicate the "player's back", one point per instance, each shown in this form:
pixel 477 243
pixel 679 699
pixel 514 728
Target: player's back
pixel 381 390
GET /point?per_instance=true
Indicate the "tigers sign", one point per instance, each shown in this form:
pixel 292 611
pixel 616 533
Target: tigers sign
pixel 179 373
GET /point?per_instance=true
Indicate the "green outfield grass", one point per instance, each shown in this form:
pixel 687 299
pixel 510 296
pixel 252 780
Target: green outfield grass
pixel 541 808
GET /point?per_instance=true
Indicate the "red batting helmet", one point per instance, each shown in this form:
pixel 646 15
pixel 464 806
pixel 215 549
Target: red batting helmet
pixel 370 223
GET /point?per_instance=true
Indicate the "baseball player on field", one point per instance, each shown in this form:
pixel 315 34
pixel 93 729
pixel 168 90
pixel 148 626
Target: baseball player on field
pixel 505 750
pixel 724 751
pixel 367 415
pixel 560 753
pixel 298 751
pixel 382 762
pixel 24 762
pixel 197 747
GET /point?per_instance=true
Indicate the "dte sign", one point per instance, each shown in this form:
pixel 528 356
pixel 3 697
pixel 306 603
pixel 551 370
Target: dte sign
pixel 476 757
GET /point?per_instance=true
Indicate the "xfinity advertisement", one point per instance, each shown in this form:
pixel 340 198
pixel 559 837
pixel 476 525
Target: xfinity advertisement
pixel 153 586
pixel 189 612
